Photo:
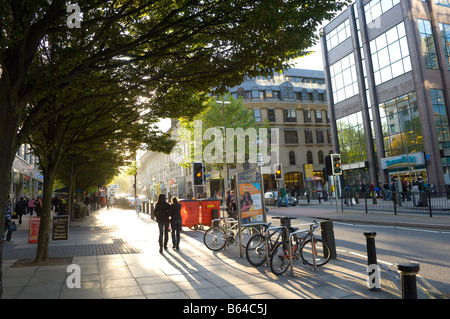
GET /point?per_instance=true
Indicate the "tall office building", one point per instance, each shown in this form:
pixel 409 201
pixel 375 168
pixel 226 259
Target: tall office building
pixel 387 69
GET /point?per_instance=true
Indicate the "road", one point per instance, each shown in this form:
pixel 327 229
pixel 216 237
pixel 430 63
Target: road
pixel 394 244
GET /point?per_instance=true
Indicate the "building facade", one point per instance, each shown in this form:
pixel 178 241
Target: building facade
pixel 387 72
pixel 26 179
pixel 294 101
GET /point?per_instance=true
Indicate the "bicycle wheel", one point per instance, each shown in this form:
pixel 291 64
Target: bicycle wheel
pixel 248 232
pixel 323 252
pixel 280 258
pixel 256 250
pixel 215 238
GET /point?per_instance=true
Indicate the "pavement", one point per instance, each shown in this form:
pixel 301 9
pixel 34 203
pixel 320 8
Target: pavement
pixel 115 254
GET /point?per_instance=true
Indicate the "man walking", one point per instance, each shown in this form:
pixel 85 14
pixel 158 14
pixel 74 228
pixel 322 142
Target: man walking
pixel 283 196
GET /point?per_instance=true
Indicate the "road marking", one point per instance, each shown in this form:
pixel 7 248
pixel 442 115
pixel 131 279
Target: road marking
pixel 422 230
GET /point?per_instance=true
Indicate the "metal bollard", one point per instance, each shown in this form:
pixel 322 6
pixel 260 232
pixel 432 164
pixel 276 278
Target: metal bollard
pixel 373 281
pixel 408 274
pixel 327 233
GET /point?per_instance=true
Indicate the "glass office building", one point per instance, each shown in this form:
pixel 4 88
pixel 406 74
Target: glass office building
pixel 387 69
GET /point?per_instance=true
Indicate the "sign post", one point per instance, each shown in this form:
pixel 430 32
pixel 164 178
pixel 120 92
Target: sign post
pixel 60 229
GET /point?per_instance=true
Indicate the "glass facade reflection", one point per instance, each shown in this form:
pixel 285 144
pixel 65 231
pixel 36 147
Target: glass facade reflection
pixel 351 137
pixel 390 54
pixel 400 122
pixel 344 82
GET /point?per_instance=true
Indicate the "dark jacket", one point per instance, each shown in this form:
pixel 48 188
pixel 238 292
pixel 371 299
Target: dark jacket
pixel 175 212
pixel 162 212
pixel 21 207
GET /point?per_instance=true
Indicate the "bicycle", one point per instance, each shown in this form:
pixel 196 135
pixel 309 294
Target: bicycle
pixel 256 251
pixel 225 233
pixel 311 250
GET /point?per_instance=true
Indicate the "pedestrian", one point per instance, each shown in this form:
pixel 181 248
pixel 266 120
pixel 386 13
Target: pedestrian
pixel 283 196
pixel 31 203
pixel 21 208
pixel 348 195
pixel 7 234
pixel 176 222
pixel 38 206
pixel 162 218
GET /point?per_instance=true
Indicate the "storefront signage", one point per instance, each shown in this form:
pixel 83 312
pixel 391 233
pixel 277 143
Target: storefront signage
pixel 403 160
pixel 60 228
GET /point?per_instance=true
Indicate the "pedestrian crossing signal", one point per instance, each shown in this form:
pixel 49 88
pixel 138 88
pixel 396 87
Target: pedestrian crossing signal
pixel 336 163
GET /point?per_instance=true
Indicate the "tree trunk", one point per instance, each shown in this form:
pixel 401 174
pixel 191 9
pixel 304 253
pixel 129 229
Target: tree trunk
pixel 44 227
pixel 8 149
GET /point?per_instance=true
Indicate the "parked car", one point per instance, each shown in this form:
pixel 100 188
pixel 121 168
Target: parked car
pixel 270 198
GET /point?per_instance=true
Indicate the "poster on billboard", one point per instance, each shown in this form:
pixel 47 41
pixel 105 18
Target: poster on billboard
pixel 251 203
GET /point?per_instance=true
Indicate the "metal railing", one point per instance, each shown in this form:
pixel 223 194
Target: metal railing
pixel 425 202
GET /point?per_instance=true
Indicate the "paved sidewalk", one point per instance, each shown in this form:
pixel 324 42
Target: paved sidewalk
pixel 117 253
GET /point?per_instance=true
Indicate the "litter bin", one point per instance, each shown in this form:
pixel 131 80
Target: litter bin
pixel 206 207
pixel 190 212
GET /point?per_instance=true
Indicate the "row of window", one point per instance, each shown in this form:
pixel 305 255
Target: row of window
pixel 285 93
pixel 290 116
pixel 291 136
pixel 309 157
pixel 24 152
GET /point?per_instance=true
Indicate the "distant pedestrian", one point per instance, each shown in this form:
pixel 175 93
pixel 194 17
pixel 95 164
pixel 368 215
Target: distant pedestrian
pixel 31 203
pixel 175 222
pixel 7 234
pixel 21 209
pixel 38 206
pixel 162 218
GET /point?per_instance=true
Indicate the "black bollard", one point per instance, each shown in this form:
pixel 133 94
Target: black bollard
pixel 408 274
pixel 327 233
pixel 373 268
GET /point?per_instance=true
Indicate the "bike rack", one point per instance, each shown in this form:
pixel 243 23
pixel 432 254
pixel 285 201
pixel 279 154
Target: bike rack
pixel 312 247
pixel 286 230
pixel 240 234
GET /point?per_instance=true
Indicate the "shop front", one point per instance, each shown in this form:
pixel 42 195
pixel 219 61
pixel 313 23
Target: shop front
pixel 407 167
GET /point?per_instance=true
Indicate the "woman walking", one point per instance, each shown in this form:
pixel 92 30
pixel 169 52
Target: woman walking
pixel 176 222
pixel 162 218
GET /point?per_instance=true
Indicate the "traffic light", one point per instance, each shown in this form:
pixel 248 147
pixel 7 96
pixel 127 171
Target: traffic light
pixel 198 172
pixel 278 171
pixel 336 162
pixel 328 166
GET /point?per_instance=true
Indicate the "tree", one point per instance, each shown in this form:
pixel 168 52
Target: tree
pixel 174 52
pixel 222 114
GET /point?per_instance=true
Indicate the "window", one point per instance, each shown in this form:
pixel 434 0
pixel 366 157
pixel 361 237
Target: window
pixel 291 158
pixel 287 91
pixel 309 158
pixel 329 141
pixel 428 46
pixel 308 136
pixel 271 115
pixel 344 83
pixel 320 157
pixel 445 3
pixel 318 116
pixel 440 115
pixel 337 35
pixel 400 124
pixel 445 37
pixel 290 116
pixel 390 54
pixel 351 138
pixel 319 135
pixel 376 8
pixel 290 136
pixel 257 115
pixel 307 116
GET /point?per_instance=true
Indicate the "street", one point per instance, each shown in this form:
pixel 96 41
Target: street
pixel 394 244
